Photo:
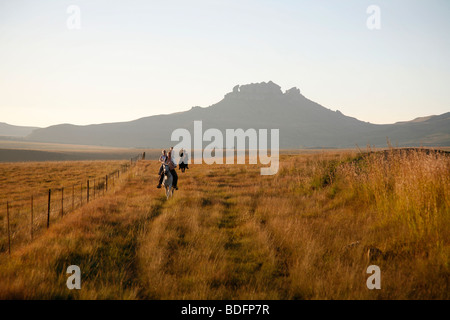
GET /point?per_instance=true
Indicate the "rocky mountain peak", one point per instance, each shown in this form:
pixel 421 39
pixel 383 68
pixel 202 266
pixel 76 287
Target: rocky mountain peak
pixel 261 91
pixel 255 91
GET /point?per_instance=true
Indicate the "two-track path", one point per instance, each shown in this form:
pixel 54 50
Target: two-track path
pixel 205 243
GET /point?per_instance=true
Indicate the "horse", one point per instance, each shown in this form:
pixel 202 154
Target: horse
pixel 183 164
pixel 167 181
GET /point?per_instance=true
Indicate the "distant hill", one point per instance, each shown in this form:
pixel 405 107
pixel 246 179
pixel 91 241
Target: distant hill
pixel 8 130
pixel 302 123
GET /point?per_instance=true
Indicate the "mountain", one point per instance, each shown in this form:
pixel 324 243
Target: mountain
pixel 302 124
pixel 15 131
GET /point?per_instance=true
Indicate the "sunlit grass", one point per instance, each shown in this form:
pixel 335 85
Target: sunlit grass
pixel 230 233
pixel 25 188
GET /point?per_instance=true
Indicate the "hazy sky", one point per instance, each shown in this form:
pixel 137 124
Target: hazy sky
pixel 132 59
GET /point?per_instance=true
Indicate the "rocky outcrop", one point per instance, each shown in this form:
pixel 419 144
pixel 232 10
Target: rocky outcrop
pixel 255 91
pixel 261 91
pixel 293 92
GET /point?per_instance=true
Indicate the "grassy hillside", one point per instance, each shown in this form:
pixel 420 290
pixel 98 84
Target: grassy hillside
pixel 308 232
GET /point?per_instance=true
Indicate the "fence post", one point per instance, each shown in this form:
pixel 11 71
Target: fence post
pixel 62 201
pixel 48 209
pixel 106 183
pixel 94 189
pixel 9 232
pixel 87 191
pixel 31 225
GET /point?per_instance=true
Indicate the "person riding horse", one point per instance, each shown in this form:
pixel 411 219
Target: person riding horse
pixel 166 159
pixel 162 160
pixel 168 181
pixel 183 164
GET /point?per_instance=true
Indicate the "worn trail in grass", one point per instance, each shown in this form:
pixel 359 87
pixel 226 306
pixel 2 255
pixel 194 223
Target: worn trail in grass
pixel 135 244
pixel 207 243
pixel 230 233
pixel 101 238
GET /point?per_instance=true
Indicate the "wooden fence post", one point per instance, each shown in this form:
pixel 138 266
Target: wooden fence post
pixel 87 191
pixel 48 208
pixel 62 201
pixel 31 224
pixel 9 232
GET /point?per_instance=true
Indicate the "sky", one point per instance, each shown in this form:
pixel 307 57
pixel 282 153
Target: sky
pixel 123 60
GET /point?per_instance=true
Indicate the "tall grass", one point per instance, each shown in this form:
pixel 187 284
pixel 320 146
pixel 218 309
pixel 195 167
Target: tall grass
pixel 405 187
pixel 230 233
pixel 21 181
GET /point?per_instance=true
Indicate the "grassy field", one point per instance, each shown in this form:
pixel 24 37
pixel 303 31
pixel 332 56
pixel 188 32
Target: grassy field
pixel 21 151
pixel 21 181
pixel 308 232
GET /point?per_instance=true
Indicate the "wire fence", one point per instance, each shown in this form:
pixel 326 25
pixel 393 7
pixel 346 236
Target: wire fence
pixel 23 219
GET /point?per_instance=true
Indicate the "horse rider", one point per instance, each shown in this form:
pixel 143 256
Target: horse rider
pixel 172 166
pixel 183 164
pixel 162 160
pixel 166 159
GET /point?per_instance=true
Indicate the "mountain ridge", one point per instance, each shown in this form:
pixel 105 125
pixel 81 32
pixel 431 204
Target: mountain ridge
pixel 303 123
pixel 9 130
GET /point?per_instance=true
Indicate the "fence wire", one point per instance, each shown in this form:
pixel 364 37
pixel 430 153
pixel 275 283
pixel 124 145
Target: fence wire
pixel 23 219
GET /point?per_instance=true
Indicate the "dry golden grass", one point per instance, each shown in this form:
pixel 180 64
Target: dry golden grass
pixel 230 233
pixel 25 178
pixel 21 181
